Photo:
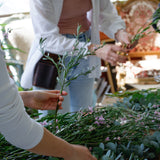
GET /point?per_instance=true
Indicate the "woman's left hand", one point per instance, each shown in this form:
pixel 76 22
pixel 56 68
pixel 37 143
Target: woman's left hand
pixel 43 99
pixel 125 39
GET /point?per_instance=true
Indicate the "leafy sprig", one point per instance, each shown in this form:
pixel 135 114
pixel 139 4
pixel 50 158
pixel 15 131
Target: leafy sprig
pixel 141 33
pixel 111 132
pixel 150 23
pixel 65 70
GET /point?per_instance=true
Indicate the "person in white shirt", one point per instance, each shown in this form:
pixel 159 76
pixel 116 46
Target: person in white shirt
pixel 23 132
pixel 57 21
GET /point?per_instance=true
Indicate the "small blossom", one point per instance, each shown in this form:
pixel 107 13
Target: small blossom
pixel 155 106
pixel 96 118
pixel 107 139
pixel 119 138
pixel 101 118
pixel 73 48
pixel 44 123
pixel 108 126
pixel 155 112
pixel 90 109
pixel 91 128
pixel 96 122
pixel 5 35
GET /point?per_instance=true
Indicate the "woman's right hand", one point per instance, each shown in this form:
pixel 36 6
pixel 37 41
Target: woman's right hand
pixel 80 153
pixel 109 53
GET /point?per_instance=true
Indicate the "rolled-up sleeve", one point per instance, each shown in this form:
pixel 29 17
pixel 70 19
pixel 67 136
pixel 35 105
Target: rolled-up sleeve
pixel 110 21
pixel 15 124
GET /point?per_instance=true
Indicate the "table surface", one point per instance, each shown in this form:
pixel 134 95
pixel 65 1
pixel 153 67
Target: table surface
pixel 145 86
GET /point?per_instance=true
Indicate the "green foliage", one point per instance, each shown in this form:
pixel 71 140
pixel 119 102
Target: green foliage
pixel 142 33
pixel 141 100
pixel 110 133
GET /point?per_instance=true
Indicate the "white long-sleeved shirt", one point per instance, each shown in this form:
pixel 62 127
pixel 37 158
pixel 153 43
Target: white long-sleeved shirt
pixel 15 124
pixel 45 17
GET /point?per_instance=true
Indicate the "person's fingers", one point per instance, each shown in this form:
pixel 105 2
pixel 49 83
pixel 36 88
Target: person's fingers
pixel 112 62
pixel 123 36
pixel 61 98
pixel 52 91
pixel 60 104
pixel 116 48
pixel 46 94
pixel 64 93
pixel 132 45
pixel 54 96
pixel 52 106
pixel 126 38
pixel 122 59
pixel 112 58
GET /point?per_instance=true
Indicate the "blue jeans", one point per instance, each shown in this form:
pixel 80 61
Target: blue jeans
pixel 81 90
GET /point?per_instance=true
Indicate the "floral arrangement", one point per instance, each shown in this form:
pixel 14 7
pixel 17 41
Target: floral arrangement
pixel 127 130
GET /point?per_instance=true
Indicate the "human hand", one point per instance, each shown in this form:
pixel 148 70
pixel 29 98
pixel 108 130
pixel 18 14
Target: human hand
pixel 43 99
pixel 80 153
pixel 109 53
pixel 125 39
pixel 131 45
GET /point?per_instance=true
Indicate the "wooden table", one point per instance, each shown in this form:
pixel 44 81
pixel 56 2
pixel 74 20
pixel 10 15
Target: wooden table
pixel 145 86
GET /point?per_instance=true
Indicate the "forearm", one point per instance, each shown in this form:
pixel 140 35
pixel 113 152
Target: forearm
pixel 51 145
pixel 26 97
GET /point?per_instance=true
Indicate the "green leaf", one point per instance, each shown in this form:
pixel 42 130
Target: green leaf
pixel 142 146
pixel 111 146
pixel 154 144
pixel 98 151
pixel 101 145
pixel 108 153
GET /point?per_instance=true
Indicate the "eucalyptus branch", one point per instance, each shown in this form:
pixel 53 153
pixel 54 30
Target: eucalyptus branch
pixel 141 33
pixel 65 70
